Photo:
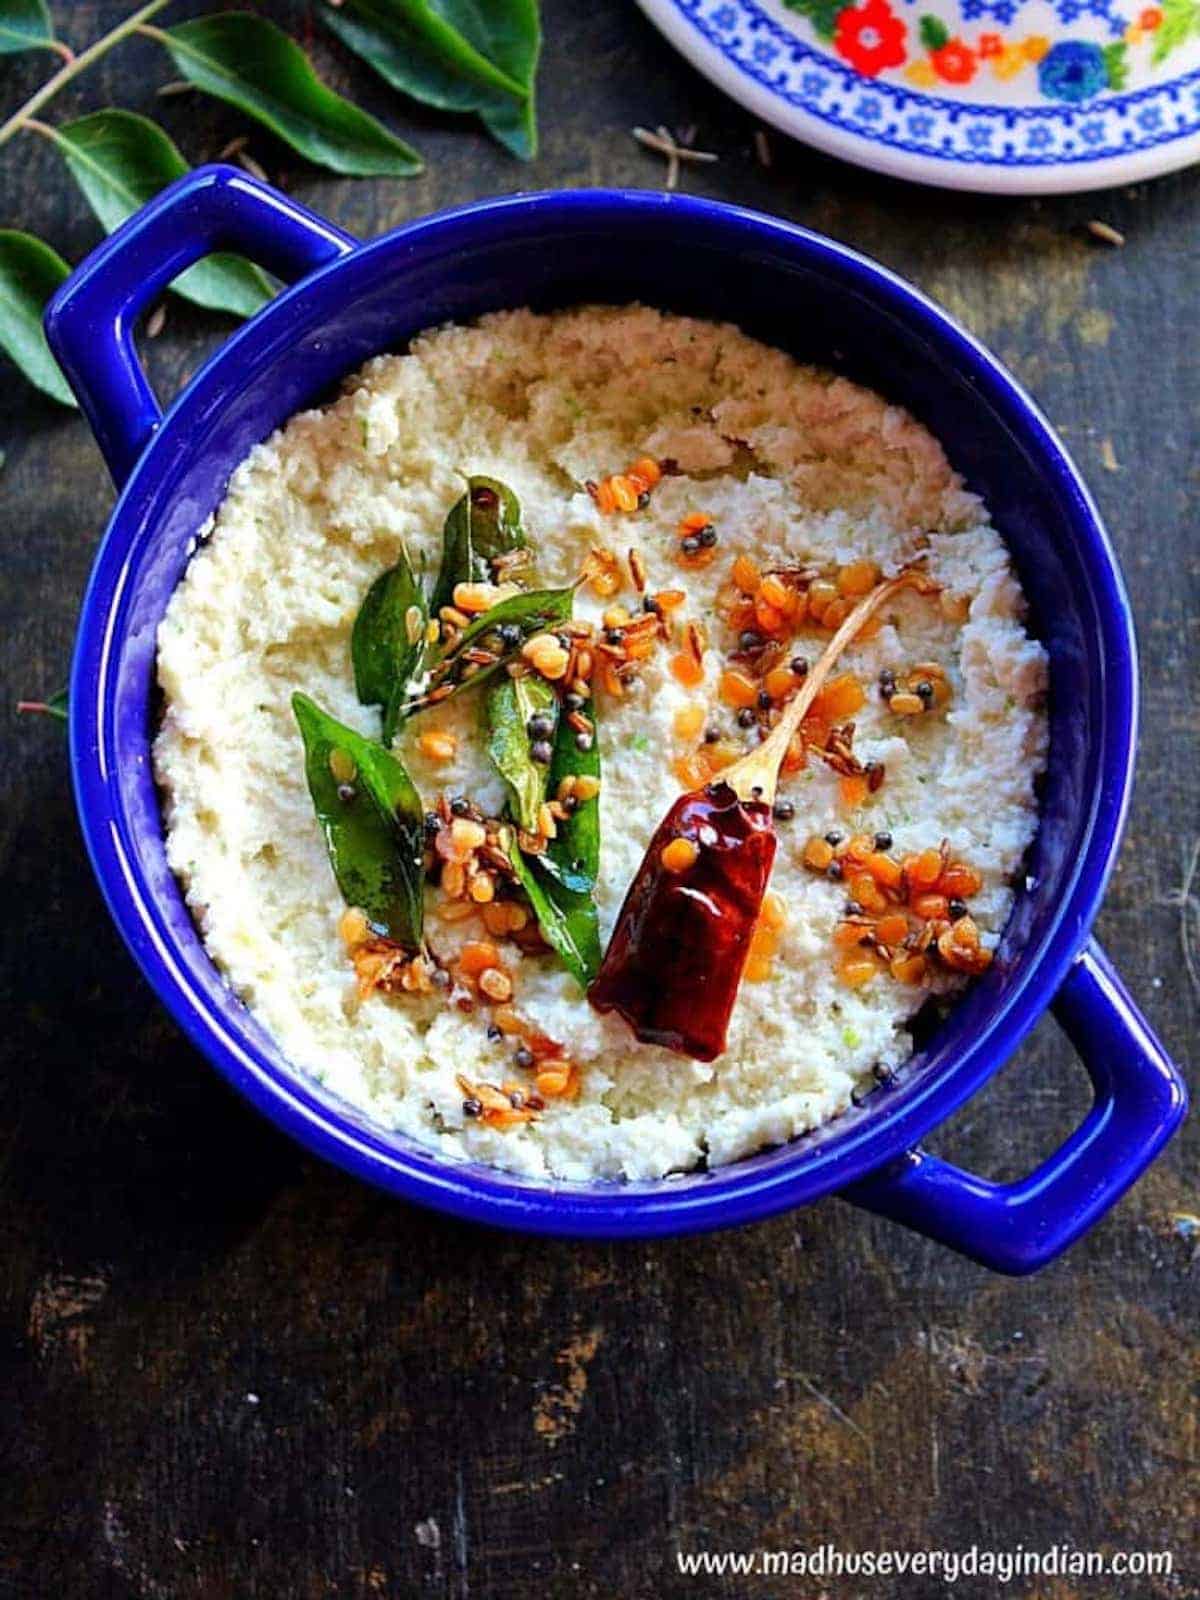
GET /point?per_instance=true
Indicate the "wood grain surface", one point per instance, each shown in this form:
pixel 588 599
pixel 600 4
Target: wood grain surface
pixel 231 1372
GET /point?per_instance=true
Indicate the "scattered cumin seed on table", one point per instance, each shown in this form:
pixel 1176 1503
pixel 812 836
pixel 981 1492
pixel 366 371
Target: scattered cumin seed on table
pixel 662 143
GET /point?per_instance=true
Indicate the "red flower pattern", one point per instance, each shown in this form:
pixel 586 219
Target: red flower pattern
pixel 954 62
pixel 990 44
pixel 870 37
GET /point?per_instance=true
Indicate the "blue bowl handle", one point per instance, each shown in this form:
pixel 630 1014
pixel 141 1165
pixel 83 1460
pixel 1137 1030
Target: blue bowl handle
pixel 1140 1100
pixel 90 320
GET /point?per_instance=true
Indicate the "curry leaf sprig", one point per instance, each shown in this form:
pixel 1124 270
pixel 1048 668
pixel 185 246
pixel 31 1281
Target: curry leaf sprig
pixel 525 721
pixel 403 666
pixel 454 54
pixel 397 665
pixel 367 805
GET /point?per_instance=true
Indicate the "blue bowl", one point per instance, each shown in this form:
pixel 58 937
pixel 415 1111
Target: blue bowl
pixel 790 288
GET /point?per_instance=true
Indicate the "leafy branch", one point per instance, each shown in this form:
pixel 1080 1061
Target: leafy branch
pixel 460 57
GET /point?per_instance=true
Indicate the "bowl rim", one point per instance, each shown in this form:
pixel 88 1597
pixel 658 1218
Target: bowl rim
pixel 729 1195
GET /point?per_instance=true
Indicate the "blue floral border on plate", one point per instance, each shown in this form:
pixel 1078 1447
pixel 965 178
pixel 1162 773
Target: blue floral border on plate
pixel 946 130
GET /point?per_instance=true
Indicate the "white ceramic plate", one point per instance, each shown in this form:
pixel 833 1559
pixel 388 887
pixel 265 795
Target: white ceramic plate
pixel 1003 96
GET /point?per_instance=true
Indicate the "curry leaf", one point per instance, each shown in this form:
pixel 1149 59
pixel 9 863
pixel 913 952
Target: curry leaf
pixel 530 612
pixel 372 819
pixel 481 525
pixel 458 55
pixel 509 706
pixel 250 63
pixel 568 920
pixel 30 271
pixel 120 160
pixel 388 641
pixel 438 63
pixel 25 25
pixel 573 855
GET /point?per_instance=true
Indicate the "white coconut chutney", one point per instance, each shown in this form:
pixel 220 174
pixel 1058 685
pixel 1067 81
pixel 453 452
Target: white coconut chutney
pixel 788 463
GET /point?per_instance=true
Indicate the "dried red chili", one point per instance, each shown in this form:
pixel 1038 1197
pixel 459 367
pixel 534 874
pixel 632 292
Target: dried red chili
pixel 676 956
pixel 674 963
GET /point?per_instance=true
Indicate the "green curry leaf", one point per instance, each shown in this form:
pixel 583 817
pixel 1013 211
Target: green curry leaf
pixel 120 160
pixel 30 272
pixel 420 50
pixel 573 855
pixel 388 641
pixel 509 706
pixel 481 525
pixel 458 55
pixel 568 920
pixel 532 611
pixel 253 65
pixel 25 25
pixel 372 819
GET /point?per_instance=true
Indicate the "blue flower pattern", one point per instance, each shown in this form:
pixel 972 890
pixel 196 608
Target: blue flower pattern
pixel 1002 11
pixel 1069 11
pixel 1073 70
pixel 1072 74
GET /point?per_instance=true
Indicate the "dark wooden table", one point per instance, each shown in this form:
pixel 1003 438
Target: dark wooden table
pixel 229 1371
